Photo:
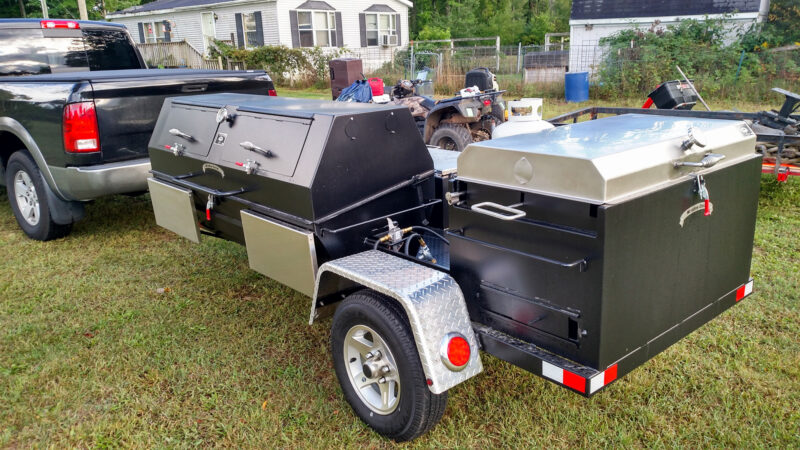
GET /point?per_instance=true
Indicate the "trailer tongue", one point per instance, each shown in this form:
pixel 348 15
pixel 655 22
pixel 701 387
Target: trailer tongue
pixel 577 253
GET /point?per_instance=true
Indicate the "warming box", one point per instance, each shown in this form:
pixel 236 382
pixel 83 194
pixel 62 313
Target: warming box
pixel 605 240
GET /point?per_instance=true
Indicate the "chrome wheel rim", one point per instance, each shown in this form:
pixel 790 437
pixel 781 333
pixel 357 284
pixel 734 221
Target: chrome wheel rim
pixel 27 198
pixel 371 369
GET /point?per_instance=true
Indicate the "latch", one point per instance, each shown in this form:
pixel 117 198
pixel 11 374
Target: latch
pixel 702 191
pixel 210 205
pixel 176 149
pixel 250 166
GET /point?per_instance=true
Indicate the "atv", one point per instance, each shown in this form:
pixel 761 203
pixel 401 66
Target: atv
pixel 455 122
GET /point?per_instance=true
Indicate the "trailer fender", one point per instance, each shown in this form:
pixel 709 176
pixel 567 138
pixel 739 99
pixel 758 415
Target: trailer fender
pixel 431 299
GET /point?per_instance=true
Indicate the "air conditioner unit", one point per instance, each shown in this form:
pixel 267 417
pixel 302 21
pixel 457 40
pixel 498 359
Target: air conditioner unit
pixel 389 40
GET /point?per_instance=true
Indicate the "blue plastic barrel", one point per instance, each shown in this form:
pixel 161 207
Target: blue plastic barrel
pixel 576 86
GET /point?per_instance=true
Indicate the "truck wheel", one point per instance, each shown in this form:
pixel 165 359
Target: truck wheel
pixel 451 137
pixel 28 199
pixel 379 369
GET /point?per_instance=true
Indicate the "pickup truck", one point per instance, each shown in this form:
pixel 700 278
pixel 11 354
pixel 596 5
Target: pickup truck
pixel 77 107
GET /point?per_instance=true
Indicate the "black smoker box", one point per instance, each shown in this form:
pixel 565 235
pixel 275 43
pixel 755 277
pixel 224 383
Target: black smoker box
pixel 594 240
pixel 291 179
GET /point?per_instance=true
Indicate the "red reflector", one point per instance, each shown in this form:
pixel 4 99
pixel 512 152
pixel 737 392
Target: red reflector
pixel 69 24
pixel 240 164
pixel 272 93
pixel 208 214
pixel 487 102
pixel 707 211
pixel 744 290
pixel 429 382
pixel 80 128
pixel 576 382
pixel 610 375
pixel 458 351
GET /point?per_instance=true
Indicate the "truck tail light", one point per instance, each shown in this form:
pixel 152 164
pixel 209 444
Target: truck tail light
pixel 455 351
pixel 81 134
pixel 272 93
pixel 68 24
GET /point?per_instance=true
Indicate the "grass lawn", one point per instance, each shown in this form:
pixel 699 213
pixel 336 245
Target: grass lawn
pixel 124 334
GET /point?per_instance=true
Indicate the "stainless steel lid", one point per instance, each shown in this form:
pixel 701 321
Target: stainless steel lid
pixel 605 160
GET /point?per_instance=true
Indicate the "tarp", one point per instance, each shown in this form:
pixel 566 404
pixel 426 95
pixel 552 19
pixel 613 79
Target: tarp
pixel 359 92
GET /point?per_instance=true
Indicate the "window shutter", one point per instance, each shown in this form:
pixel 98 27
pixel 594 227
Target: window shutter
pixel 239 30
pixel 362 24
pixel 339 32
pixel 398 29
pixel 294 29
pixel 167 31
pixel 259 29
pixel 141 33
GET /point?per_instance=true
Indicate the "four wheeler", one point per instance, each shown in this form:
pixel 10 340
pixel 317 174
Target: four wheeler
pixel 453 123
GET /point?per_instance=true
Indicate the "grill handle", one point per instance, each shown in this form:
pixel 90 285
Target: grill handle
pixel 513 213
pixel 247 145
pixel 709 160
pixel 181 134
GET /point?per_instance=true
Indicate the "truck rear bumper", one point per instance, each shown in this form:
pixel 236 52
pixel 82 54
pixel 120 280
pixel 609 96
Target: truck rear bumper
pixel 86 183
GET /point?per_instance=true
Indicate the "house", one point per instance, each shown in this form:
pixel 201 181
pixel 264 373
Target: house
pixel 592 20
pixel 370 29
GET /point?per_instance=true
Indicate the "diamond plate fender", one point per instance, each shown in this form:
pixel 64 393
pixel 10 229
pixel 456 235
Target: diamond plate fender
pixel 432 300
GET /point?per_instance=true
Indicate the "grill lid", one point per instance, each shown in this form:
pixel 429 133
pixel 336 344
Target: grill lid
pixel 605 160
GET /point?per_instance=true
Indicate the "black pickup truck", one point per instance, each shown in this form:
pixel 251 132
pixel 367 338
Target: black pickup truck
pixel 77 107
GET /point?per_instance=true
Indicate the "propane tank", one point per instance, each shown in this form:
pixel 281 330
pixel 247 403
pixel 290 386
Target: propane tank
pixel 524 116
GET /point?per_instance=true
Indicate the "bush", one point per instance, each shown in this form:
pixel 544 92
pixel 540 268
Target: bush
pixel 304 66
pixel 638 60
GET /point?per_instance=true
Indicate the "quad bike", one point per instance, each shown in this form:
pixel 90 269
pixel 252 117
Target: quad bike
pixel 453 123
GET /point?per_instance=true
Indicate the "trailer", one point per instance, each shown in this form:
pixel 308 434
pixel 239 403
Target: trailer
pixel 777 131
pixel 576 254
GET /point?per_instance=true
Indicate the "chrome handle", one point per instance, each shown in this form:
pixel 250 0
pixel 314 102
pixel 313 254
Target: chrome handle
pixel 708 161
pixel 181 134
pixel 247 145
pixel 513 212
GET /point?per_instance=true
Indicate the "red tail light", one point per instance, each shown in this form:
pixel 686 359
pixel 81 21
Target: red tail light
pixel 69 24
pixel 272 93
pixel 455 351
pixel 487 102
pixel 80 128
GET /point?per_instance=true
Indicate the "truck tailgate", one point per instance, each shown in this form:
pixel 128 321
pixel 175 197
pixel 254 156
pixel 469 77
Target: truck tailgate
pixel 127 107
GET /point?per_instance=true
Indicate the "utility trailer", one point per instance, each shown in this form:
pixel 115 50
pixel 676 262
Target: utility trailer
pixel 577 253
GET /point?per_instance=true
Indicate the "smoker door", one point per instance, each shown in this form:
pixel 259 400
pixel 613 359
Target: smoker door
pixel 274 143
pixel 533 277
pixel 190 128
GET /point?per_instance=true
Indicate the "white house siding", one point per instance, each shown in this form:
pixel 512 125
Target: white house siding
pixel 585 35
pixel 186 24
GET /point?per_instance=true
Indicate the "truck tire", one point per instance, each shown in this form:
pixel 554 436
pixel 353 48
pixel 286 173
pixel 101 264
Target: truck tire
pixel 27 194
pixel 379 369
pixel 450 136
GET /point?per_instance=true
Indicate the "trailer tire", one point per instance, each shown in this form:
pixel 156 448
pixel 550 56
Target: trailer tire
pixel 28 196
pixel 409 409
pixel 451 136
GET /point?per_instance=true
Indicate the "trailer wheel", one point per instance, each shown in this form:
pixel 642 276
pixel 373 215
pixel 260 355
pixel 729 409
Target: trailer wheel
pixel 379 369
pixel 28 198
pixel 451 137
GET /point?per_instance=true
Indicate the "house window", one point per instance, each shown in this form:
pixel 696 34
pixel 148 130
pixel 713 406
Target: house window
pixel 249 27
pixel 378 25
pixel 154 32
pixel 317 28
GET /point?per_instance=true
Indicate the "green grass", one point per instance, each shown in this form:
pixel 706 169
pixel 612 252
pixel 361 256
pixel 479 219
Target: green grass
pixel 123 334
